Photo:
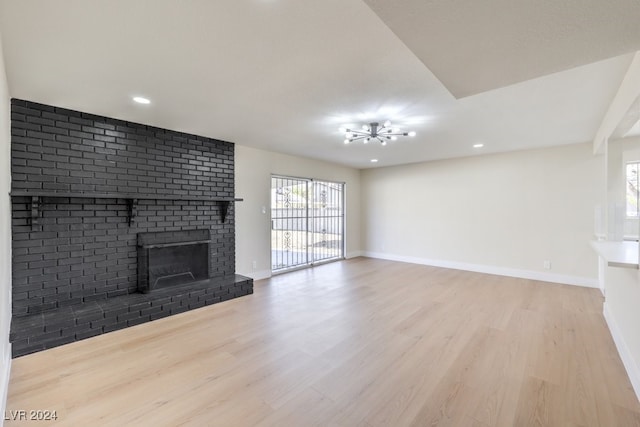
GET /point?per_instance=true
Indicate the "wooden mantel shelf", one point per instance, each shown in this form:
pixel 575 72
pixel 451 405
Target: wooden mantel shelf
pixel 85 195
pixel 36 200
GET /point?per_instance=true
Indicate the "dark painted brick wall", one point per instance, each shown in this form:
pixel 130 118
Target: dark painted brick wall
pixel 83 249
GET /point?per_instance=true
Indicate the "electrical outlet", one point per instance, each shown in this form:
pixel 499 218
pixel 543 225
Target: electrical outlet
pixel 546 264
pixel 255 265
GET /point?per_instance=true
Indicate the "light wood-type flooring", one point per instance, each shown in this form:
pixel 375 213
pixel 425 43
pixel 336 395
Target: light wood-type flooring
pixel 361 342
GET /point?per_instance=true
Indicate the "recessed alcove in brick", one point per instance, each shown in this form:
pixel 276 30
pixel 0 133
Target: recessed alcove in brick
pixel 82 251
pixel 173 258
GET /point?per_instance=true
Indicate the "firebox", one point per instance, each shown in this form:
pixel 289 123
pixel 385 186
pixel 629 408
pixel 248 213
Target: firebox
pixel 172 258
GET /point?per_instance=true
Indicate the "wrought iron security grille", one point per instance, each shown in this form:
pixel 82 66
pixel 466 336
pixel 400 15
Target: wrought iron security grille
pixel 307 222
pixel 289 222
pixel 327 215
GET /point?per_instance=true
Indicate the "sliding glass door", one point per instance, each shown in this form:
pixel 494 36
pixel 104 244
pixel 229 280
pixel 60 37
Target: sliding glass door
pixel 289 222
pixel 307 222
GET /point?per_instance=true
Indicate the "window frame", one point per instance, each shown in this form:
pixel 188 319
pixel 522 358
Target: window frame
pixel 627 190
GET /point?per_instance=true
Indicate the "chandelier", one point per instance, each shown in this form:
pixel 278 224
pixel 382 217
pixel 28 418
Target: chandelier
pixel 373 131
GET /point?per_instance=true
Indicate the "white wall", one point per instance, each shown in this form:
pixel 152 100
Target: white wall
pixel 5 233
pixel 253 169
pixel 622 285
pixel 501 213
pixel 621 313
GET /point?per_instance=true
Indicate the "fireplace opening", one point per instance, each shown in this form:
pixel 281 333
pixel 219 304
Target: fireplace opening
pixel 175 258
pixel 177 265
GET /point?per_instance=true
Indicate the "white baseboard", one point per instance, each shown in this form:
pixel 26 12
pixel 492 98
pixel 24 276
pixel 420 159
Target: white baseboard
pixel 5 375
pixel 633 370
pixel 489 269
pixel 354 254
pixel 258 275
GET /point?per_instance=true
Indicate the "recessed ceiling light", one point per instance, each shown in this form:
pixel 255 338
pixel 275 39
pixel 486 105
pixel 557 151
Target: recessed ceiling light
pixel 141 100
pixel 374 160
pixel 478 145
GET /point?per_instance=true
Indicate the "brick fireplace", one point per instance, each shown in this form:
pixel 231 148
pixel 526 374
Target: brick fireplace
pixel 88 193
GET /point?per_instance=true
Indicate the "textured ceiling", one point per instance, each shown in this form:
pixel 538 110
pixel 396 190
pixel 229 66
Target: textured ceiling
pixel 476 46
pixel 284 75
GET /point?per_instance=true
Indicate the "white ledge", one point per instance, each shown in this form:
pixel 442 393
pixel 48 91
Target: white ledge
pixel 618 254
